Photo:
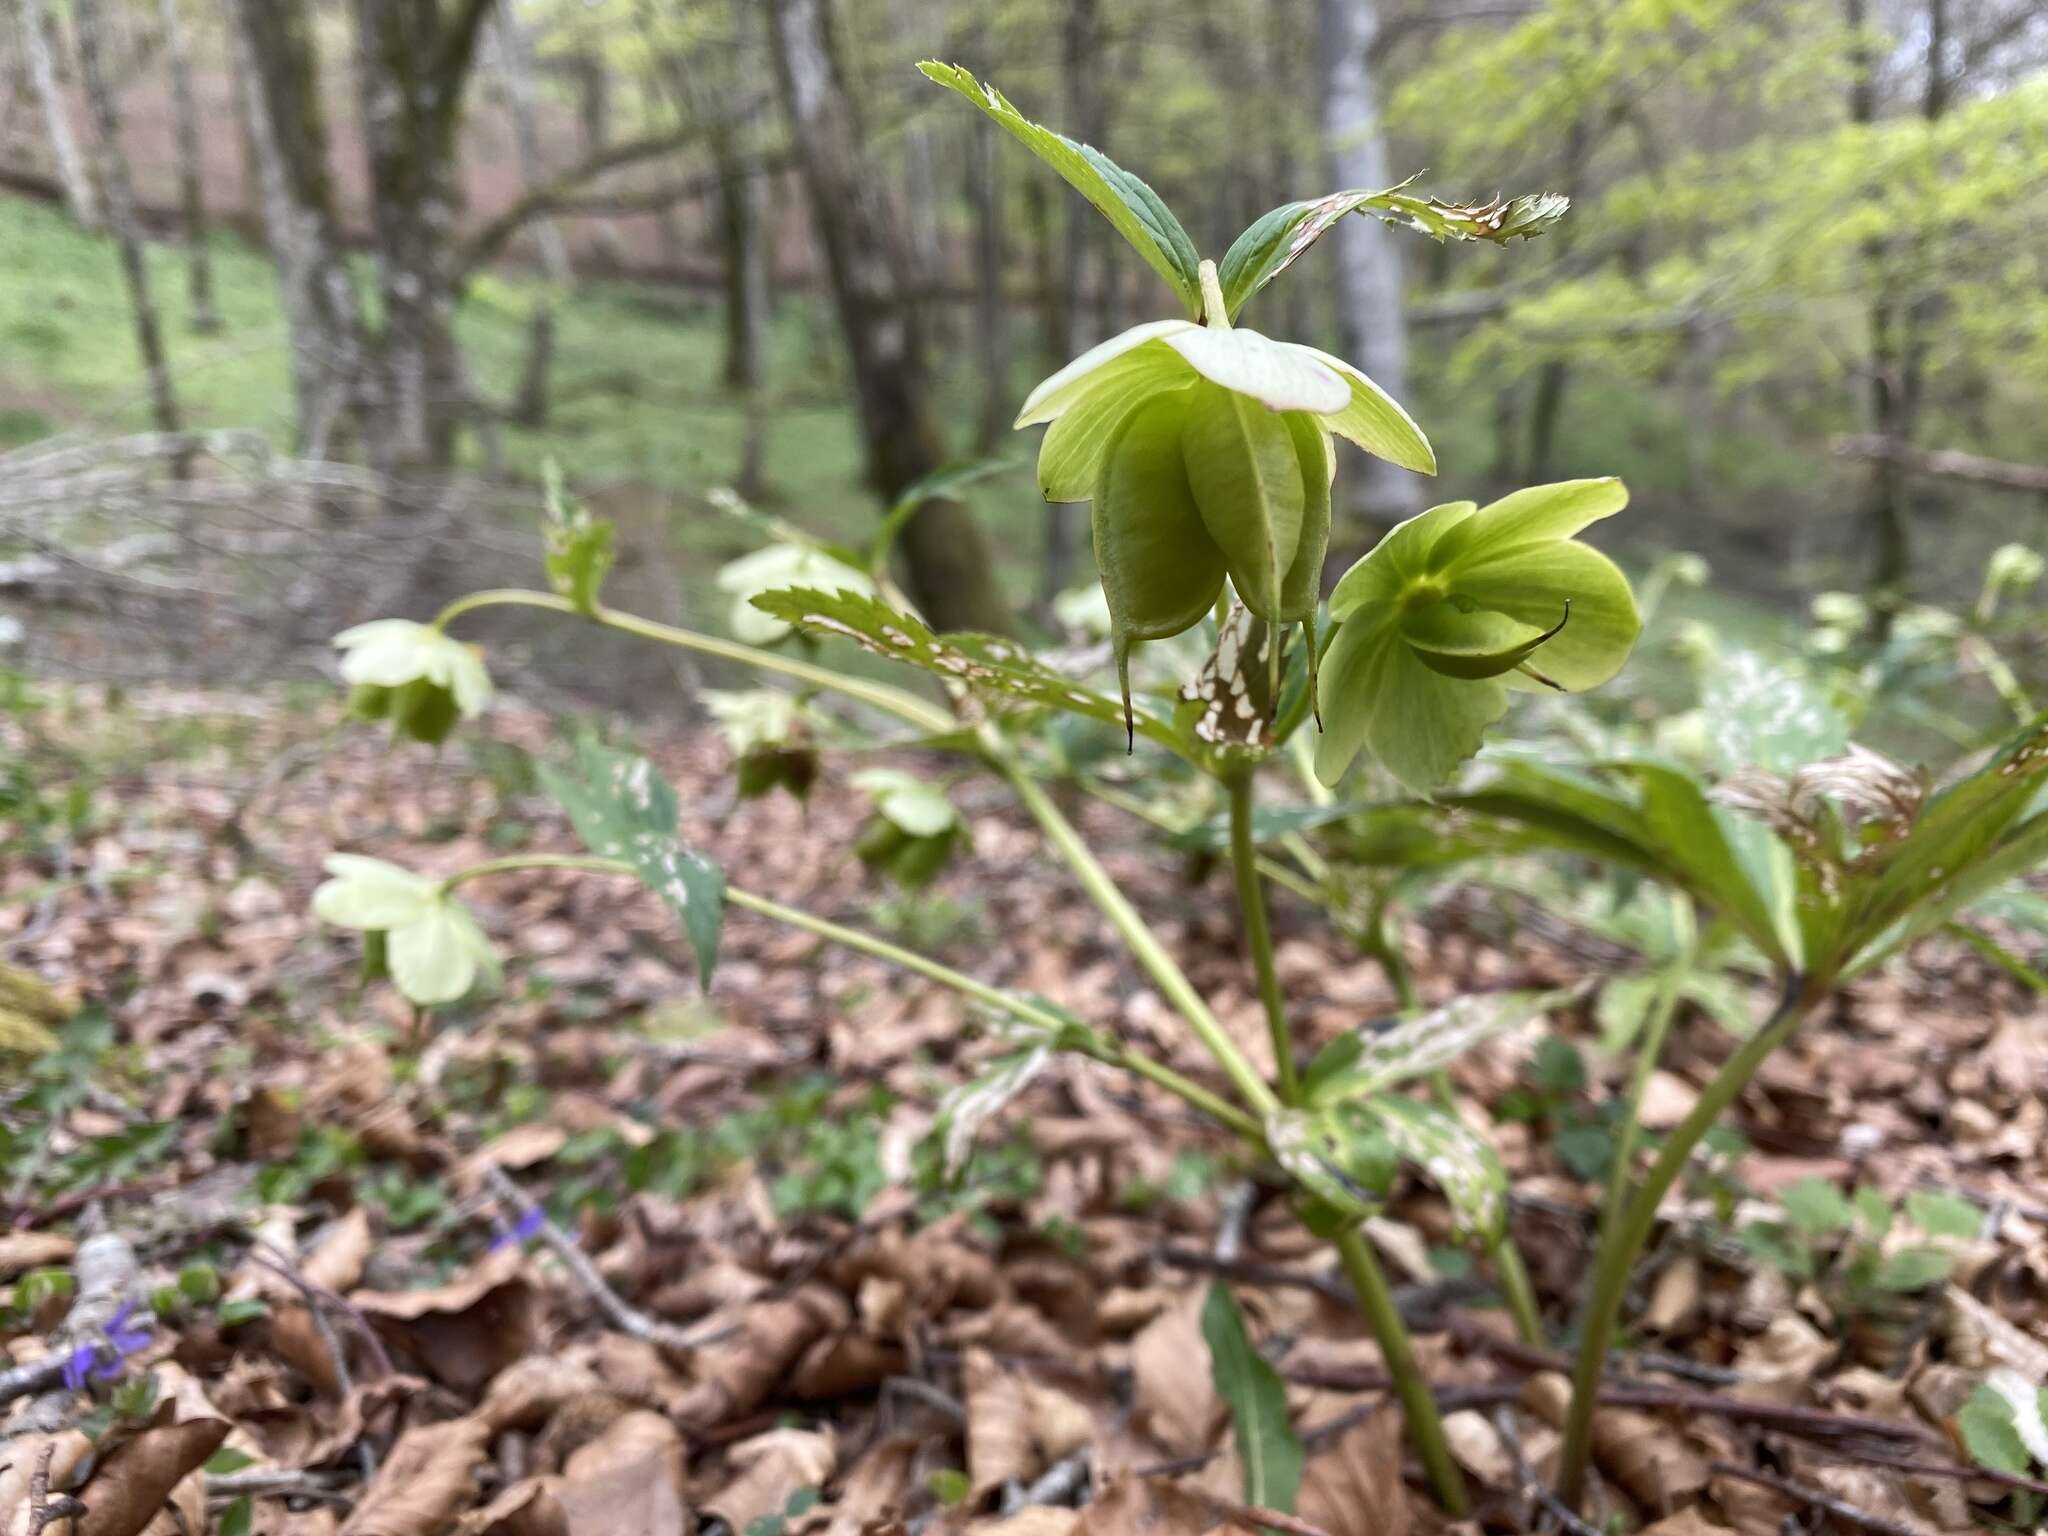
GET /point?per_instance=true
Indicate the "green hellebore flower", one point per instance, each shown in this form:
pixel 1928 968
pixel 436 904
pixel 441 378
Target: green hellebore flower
pixel 413 675
pixel 772 568
pixel 1459 604
pixel 915 828
pixel 435 949
pixel 1206 451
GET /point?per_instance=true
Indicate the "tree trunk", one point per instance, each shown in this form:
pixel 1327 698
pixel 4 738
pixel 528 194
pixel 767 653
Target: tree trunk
pixel 274 50
pixel 39 42
pixel 411 89
pixel 991 315
pixel 950 575
pixel 1368 265
pixel 122 217
pixel 205 318
pixel 514 54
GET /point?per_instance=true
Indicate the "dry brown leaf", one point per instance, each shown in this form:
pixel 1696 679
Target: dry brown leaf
pixel 298 1435
pixel 336 1264
pixel 1032 1520
pixel 1675 1297
pixel 628 1479
pixel 67 1449
pixel 1353 1488
pixel 133 1484
pixel 1151 1506
pixel 21 1252
pixel 465 1332
pixel 1650 1460
pixel 528 1508
pixel 523 1394
pixel 1176 1401
pixel 736 1373
pixel 1687 1522
pixel 1667 1099
pixel 878 1485
pixel 770 1468
pixel 1479 1447
pixel 1016 1427
pixel 429 1478
pixel 1777 1365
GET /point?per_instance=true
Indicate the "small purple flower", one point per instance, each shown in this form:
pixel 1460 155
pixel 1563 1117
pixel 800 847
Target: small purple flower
pixel 527 1229
pixel 102 1359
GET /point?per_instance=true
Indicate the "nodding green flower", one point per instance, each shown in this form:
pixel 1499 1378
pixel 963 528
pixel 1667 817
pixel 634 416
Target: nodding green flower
pixel 413 675
pixel 434 949
pixel 1456 606
pixel 915 828
pixel 1206 451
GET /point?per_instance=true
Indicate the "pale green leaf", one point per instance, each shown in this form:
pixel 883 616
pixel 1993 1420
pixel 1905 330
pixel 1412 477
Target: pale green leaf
pixel 1374 420
pixel 437 956
pixel 906 800
pixel 1417 723
pixel 1537 513
pixel 1360 1064
pixel 1401 557
pixel 1943 1215
pixel 1457 1159
pixel 1533 583
pixel 370 893
pixel 1247 482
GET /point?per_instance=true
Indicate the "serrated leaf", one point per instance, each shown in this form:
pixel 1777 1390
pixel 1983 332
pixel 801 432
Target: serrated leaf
pixel 1278 238
pixel 1267 1447
pixel 985 667
pixel 623 808
pixel 1132 207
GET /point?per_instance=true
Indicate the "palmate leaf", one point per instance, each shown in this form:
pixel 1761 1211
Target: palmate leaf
pixel 623 808
pixel 1275 240
pixel 1266 1444
pixel 1131 206
pixel 987 667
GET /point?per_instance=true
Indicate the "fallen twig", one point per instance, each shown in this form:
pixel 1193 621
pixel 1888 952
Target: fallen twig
pixel 1255 1516
pixel 271 1482
pixel 627 1319
pixel 1532 1486
pixel 1817 1498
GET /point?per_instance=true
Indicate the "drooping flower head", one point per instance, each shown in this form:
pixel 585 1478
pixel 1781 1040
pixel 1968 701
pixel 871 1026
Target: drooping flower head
pixel 413 675
pixel 1456 606
pixel 1206 451
pixel 433 946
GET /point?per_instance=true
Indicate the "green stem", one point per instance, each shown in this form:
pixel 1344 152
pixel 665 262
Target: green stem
pixel 1515 1284
pixel 1102 1049
pixel 1143 944
pixel 1663 1006
pixel 896 701
pixel 1425 1426
pixel 1258 935
pixel 1623 1241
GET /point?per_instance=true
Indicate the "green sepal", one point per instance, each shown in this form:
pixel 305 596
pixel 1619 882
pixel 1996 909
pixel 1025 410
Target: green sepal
pixel 1473 643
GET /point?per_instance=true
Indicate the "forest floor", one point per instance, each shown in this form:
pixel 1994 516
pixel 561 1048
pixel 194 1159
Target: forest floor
pixel 751 1300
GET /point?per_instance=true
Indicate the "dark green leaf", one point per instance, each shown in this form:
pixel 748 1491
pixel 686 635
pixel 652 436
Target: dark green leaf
pixel 1245 1379
pixel 1131 206
pixel 623 808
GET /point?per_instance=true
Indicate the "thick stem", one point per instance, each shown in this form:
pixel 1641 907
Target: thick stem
pixel 1622 1242
pixel 1113 1053
pixel 1425 1426
pixel 1139 938
pixel 1258 934
pixel 905 706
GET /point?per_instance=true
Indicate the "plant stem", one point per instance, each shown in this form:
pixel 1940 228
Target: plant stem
pixel 1425 1427
pixel 1622 1241
pixel 896 701
pixel 1515 1285
pixel 1663 1006
pixel 1138 937
pixel 1113 1053
pixel 1258 935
